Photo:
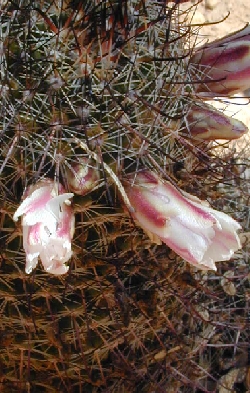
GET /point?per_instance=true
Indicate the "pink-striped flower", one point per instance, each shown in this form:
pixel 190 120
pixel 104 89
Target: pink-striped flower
pixel 195 231
pixel 207 123
pixel 48 226
pixel 225 64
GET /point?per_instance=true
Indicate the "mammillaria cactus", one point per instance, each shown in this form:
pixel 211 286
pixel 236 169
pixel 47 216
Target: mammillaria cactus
pixel 93 94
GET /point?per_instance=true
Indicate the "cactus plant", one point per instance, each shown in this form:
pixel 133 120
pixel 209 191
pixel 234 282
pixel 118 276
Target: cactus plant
pixel 109 85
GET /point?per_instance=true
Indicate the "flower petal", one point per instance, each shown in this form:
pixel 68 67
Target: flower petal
pixel 195 231
pixel 34 203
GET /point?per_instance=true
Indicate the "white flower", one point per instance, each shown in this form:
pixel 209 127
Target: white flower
pixel 195 231
pixel 48 226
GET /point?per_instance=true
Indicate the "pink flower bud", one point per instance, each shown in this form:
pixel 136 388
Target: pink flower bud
pixel 207 123
pixel 225 64
pixel 82 177
pixel 48 226
pixel 195 231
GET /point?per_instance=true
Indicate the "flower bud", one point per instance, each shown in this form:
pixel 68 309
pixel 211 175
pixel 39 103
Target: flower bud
pixel 82 177
pixel 48 226
pixel 195 231
pixel 225 64
pixel 207 123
